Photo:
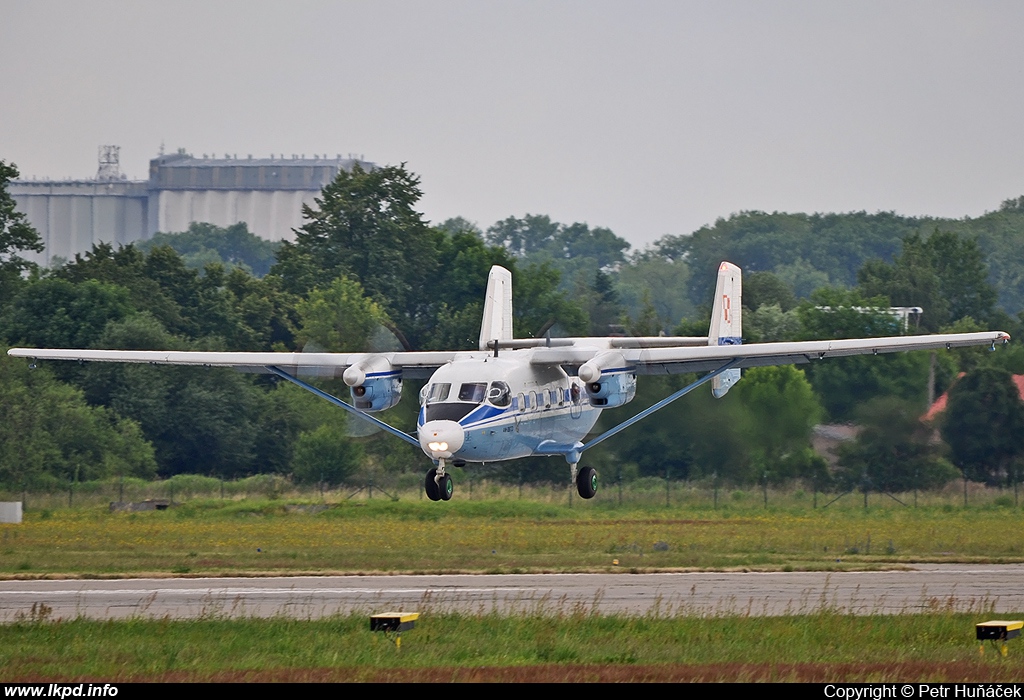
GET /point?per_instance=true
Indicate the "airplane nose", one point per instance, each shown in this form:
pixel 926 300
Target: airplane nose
pixel 440 439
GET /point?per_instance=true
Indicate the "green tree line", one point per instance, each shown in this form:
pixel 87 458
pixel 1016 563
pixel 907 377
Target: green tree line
pixel 366 271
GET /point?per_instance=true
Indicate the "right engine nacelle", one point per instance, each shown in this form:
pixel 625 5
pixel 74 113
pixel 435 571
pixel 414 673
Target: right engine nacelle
pixel 611 390
pixel 378 393
pixel 375 386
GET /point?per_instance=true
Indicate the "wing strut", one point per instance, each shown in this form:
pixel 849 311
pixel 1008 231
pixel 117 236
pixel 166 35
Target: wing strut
pixel 338 402
pixel 661 404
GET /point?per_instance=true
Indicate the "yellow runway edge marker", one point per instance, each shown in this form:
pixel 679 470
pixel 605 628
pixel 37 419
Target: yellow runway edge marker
pixel 393 623
pixel 998 632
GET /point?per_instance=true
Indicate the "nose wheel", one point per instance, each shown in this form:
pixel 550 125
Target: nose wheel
pixel 586 482
pixel 438 485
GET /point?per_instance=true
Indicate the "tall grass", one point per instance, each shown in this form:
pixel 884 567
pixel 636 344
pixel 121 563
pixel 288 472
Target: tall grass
pixel 649 492
pixel 821 646
pixel 295 535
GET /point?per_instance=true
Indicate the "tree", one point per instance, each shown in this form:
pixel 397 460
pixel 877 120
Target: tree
pixel 458 293
pixel 844 382
pixel 946 275
pixel 459 224
pixel 48 432
pixel 339 318
pixel 16 237
pixel 782 411
pixel 760 288
pixel 55 313
pixel 365 226
pixel 664 282
pixel 208 421
pixel 203 244
pixel 570 248
pixel 984 424
pixel 325 454
pixel 523 237
pixel 893 451
pixel 245 312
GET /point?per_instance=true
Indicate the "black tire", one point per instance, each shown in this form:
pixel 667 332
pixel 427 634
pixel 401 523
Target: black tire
pixel 431 487
pixel 586 482
pixel 446 487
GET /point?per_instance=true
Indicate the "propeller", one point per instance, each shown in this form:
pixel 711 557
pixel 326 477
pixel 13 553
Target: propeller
pixel 383 339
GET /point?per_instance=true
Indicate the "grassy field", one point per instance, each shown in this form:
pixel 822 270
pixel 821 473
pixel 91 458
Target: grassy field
pixel 496 531
pixel 820 647
pixel 253 536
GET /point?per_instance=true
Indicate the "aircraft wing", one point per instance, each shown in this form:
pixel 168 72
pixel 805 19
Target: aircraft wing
pixel 412 364
pixel 680 360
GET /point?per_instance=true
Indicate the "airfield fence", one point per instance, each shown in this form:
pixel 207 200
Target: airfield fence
pixel 649 492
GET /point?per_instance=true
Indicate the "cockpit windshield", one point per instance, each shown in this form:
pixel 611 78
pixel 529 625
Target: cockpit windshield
pixel 474 392
pixel 437 392
pixel 499 394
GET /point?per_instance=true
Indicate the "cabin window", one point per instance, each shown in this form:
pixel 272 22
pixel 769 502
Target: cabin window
pixel 474 392
pixel 499 394
pixel 532 401
pixel 521 400
pixel 552 397
pixel 438 392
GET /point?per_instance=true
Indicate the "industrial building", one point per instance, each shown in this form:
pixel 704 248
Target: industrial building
pixel 266 193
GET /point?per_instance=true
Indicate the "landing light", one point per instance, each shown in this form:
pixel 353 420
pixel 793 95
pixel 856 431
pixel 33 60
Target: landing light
pixel 438 446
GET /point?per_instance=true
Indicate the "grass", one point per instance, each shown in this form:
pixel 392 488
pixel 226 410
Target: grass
pixel 251 536
pixel 573 645
pixel 495 531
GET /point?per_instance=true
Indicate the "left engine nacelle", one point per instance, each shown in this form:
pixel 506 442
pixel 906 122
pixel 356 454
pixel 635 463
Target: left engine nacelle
pixel 375 384
pixel 612 390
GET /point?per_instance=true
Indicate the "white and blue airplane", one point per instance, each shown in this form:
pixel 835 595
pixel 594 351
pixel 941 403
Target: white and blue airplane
pixel 515 398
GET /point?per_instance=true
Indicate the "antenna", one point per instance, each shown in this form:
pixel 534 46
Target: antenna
pixel 110 163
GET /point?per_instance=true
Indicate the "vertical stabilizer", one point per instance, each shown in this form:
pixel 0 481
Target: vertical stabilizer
pixel 497 321
pixel 727 321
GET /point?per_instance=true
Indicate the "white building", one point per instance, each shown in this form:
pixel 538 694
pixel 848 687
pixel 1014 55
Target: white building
pixel 266 193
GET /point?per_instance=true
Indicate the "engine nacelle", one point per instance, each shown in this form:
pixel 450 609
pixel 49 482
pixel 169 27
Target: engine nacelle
pixel 375 385
pixel 611 390
pixel 377 393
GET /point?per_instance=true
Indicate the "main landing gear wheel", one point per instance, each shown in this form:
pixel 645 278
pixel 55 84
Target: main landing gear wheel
pixel 431 487
pixel 447 487
pixel 586 482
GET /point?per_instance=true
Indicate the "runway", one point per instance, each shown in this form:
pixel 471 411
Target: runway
pixel 976 588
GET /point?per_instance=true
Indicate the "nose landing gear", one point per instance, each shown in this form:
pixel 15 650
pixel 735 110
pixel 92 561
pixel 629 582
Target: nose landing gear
pixel 438 484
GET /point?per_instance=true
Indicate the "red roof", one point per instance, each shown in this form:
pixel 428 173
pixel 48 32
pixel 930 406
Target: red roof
pixel 940 403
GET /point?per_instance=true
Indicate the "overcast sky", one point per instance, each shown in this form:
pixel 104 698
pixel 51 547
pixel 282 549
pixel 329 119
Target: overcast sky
pixel 646 117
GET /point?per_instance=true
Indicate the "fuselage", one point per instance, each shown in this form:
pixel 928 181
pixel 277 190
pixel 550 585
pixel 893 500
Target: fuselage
pixel 481 408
